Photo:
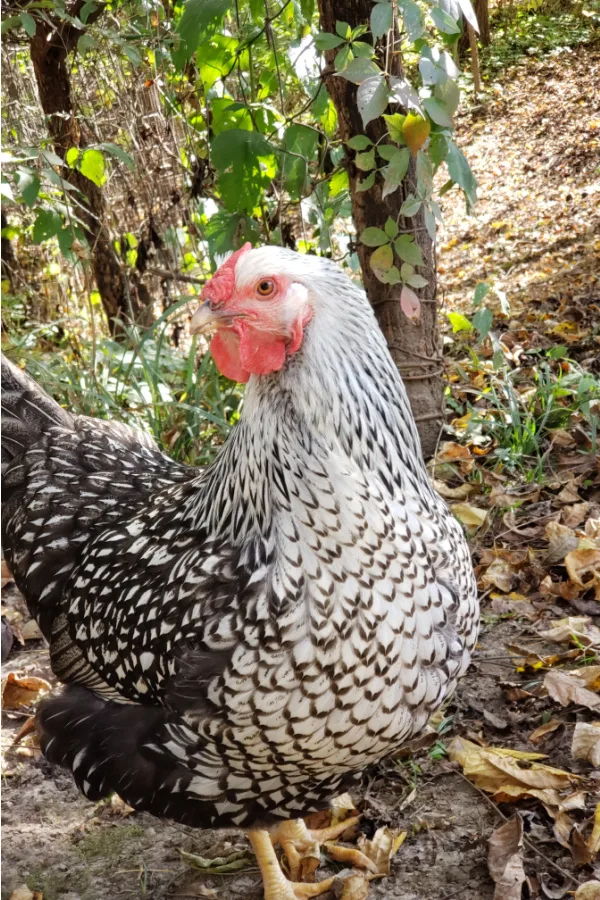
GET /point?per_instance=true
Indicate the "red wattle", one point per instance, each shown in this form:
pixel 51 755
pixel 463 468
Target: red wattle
pixel 260 352
pixel 225 348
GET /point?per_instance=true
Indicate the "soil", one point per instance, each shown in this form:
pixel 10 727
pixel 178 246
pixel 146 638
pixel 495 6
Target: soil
pixel 58 843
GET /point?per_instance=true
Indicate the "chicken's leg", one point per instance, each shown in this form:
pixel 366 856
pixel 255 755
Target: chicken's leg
pixel 277 886
pixel 300 842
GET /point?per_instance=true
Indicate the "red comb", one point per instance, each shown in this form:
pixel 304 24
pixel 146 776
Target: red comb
pixel 221 285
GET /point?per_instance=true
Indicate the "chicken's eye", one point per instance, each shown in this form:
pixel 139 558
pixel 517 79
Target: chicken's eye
pixel 265 288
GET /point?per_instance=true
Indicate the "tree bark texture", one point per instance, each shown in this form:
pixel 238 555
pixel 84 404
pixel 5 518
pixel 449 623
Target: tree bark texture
pixel 482 12
pixel 123 299
pixel 414 346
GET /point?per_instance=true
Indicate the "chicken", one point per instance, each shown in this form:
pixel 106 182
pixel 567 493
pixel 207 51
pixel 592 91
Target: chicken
pixel 238 643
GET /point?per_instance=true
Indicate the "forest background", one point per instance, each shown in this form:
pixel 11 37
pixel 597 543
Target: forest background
pixel 446 156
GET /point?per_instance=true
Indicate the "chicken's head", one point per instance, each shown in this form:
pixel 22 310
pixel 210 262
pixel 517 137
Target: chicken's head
pixel 258 315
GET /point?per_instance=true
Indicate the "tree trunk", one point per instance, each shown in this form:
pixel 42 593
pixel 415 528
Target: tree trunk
pixel 49 49
pixel 483 20
pixel 414 346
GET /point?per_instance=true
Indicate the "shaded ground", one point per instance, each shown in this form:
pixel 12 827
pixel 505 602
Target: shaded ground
pixel 535 150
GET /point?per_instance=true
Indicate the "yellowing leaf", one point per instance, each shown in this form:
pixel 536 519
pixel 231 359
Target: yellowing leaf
pixel 415 131
pixel 501 771
pixel 382 259
pixel 469 515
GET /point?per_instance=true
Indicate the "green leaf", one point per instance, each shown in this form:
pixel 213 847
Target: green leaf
pixel 443 21
pixel 338 183
pixel 406 271
pixel 391 228
pixel 200 19
pixel 344 30
pixel 245 162
pixel 394 124
pixel 460 172
pixel 393 174
pixel 482 321
pixel 86 42
pixel 359 48
pixel 47 223
pixel 410 207
pixel 325 41
pixel 360 69
pixel 424 174
pixel 118 153
pixel 417 281
pixel 408 251
pixel 302 142
pixel 8 23
pixel 72 156
pixel 481 291
pixel 367 183
pixel 459 322
pixel 372 98
pixel 381 259
pixel 87 9
pixel 342 58
pixel 29 186
pixel 387 151
pixel 28 23
pixel 365 161
pixel 92 165
pixel 65 240
pixel 438 147
pixel 412 19
pixel 373 237
pixel 392 276
pixel 359 142
pixel 447 92
pixel 381 19
pixel 438 112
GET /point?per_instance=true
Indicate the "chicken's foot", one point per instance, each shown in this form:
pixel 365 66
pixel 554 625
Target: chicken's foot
pixel 277 886
pixel 300 843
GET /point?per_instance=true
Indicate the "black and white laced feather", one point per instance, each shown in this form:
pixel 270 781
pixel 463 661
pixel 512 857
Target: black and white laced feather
pixel 237 641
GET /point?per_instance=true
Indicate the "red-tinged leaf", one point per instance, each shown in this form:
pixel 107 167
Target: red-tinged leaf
pixel 410 304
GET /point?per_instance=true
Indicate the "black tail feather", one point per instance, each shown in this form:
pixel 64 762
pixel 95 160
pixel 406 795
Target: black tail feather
pixel 120 748
pixel 27 411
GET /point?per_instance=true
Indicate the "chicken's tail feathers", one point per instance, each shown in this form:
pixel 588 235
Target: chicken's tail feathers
pixel 127 749
pixel 27 411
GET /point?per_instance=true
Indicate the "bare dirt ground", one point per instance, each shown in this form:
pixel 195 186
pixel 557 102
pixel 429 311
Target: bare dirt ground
pixel 536 159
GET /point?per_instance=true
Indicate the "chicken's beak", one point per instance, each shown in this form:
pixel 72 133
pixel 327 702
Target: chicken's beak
pixel 205 319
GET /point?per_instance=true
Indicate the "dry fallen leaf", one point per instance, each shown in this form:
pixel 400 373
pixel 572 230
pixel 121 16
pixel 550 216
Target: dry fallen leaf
pixel 574 629
pixel 572 516
pixel 510 774
pixel 588 891
pixel 540 733
pixel 23 893
pixel 469 515
pixel 356 887
pixel 586 742
pixel 505 864
pixel 583 567
pixel 593 843
pixel 18 692
pixel 561 540
pixel 501 575
pixel 573 687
